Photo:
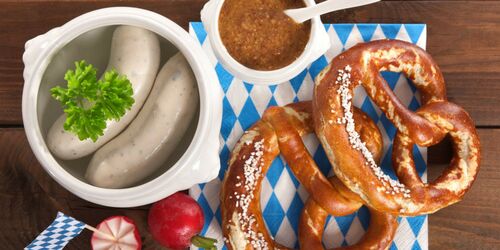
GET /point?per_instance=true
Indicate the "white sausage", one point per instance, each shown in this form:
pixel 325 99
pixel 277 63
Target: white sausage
pixel 135 52
pixel 150 139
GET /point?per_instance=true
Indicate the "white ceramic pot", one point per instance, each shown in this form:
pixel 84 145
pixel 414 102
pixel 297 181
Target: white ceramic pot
pixel 319 43
pixel 48 56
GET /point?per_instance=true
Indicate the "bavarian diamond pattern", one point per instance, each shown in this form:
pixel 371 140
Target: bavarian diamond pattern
pixel 58 234
pixel 282 196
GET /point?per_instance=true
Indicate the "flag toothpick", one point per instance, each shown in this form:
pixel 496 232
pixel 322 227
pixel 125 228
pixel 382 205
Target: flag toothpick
pixel 95 230
pixel 63 229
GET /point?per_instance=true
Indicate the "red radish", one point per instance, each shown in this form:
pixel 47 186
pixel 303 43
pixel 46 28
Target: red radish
pixel 116 233
pixel 176 221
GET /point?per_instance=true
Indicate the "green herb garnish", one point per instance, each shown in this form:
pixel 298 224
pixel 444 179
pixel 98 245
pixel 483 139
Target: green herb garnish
pixel 89 103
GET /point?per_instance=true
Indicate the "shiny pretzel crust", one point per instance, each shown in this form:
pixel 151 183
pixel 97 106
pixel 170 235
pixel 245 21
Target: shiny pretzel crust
pixel 379 235
pixel 280 131
pixel 424 128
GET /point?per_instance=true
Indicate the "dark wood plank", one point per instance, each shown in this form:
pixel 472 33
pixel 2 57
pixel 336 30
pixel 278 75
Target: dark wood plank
pixel 29 199
pixel 473 223
pixel 20 22
pixel 463 38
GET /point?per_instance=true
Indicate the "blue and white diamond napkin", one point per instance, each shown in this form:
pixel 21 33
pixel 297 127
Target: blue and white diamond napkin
pixel 58 234
pixel 282 195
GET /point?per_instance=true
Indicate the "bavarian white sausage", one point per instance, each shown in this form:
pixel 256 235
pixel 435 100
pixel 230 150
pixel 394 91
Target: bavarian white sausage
pixel 150 139
pixel 135 52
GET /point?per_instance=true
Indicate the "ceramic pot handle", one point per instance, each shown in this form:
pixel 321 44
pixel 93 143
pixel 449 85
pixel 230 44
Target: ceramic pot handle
pixel 33 48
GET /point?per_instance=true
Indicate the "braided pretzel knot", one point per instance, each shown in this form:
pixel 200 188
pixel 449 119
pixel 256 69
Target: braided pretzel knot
pixel 312 220
pixel 279 131
pixel 333 124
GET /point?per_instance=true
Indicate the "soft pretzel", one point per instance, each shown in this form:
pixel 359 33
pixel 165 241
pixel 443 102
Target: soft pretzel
pixel 352 162
pixel 382 227
pixel 379 235
pixel 279 131
pixel 458 177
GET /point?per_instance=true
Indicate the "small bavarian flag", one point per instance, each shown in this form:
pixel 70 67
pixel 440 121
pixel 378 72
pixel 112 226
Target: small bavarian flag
pixel 58 234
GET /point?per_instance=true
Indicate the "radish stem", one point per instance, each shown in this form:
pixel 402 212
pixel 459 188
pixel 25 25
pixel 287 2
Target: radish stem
pixel 204 242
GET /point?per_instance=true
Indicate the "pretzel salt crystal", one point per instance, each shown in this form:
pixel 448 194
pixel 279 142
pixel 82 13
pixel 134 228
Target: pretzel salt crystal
pixel 332 112
pixel 279 131
pixel 381 230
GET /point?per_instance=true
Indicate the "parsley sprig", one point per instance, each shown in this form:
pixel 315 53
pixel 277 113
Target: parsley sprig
pixel 89 103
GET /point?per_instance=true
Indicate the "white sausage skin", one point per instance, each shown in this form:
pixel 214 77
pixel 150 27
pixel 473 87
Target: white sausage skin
pixel 135 52
pixel 150 139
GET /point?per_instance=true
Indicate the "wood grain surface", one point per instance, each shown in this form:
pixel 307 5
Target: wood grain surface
pixel 463 37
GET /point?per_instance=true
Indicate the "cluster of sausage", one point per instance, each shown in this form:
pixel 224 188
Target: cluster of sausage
pixel 132 148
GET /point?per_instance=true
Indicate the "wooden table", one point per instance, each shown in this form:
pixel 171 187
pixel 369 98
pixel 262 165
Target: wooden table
pixel 463 37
